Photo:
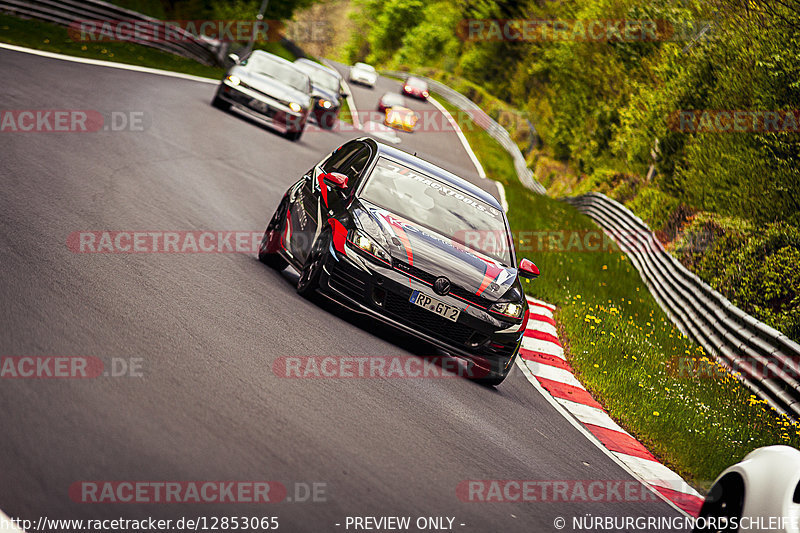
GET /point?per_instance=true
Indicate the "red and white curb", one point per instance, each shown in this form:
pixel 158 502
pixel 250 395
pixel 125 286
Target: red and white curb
pixel 543 363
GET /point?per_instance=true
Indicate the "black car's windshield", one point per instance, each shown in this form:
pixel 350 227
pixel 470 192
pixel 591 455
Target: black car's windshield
pixel 429 202
pixel 326 80
pixel 266 66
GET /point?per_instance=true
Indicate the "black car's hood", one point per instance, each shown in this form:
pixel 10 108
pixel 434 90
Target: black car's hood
pixel 434 254
pixel 272 87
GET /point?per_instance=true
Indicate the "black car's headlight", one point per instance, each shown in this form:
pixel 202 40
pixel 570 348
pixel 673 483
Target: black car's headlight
pixel 326 104
pixel 512 309
pixel 363 242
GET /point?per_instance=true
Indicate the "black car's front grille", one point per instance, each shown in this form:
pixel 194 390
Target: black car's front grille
pixel 404 311
pixel 429 278
pixel 346 282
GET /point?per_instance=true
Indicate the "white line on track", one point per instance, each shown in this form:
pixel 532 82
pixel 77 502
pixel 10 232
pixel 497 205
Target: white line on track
pixel 109 64
pixel 461 137
pixel 351 102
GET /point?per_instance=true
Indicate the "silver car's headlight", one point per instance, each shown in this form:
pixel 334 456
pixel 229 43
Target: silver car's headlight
pixel 234 80
pixel 367 244
pixel 512 309
pixel 294 106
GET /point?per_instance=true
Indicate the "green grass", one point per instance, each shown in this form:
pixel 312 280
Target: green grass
pixel 344 113
pixel 624 348
pixel 52 38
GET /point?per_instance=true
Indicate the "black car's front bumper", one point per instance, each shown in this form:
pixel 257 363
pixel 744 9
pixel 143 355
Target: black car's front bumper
pixel 325 116
pixel 384 293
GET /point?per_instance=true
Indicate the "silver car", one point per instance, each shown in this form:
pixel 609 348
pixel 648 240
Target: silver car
pixel 269 87
pixel 363 74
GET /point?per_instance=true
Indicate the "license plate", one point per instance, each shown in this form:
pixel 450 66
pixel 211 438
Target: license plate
pixel 435 306
pixel 260 106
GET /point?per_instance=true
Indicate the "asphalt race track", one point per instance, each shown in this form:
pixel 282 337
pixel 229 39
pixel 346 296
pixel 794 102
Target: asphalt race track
pixel 208 327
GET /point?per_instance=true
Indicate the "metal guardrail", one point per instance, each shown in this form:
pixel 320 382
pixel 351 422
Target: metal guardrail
pixel 762 358
pixel 495 130
pixel 67 12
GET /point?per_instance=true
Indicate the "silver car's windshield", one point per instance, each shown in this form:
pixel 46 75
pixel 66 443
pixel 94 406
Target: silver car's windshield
pixel 364 66
pixel 266 66
pixel 436 205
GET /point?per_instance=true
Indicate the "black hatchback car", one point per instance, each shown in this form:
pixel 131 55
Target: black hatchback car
pixel 395 237
pixel 327 92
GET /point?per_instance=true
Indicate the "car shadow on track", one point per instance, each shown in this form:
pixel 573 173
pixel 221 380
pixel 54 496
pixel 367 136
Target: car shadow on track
pixel 404 341
pixel 253 121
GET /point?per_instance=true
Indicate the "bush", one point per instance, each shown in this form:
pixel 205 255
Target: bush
pixel 755 267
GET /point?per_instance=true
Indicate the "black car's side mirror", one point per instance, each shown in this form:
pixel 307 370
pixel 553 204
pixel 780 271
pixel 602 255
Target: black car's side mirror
pixel 528 270
pixel 344 94
pixel 335 180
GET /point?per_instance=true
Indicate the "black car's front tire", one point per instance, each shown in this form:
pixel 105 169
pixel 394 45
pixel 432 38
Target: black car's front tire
pixel 219 103
pixel 309 277
pixel 328 119
pixel 496 375
pixel 294 135
pixel 268 250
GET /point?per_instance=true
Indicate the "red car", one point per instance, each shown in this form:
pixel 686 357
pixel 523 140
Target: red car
pixel 389 100
pixel 416 87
